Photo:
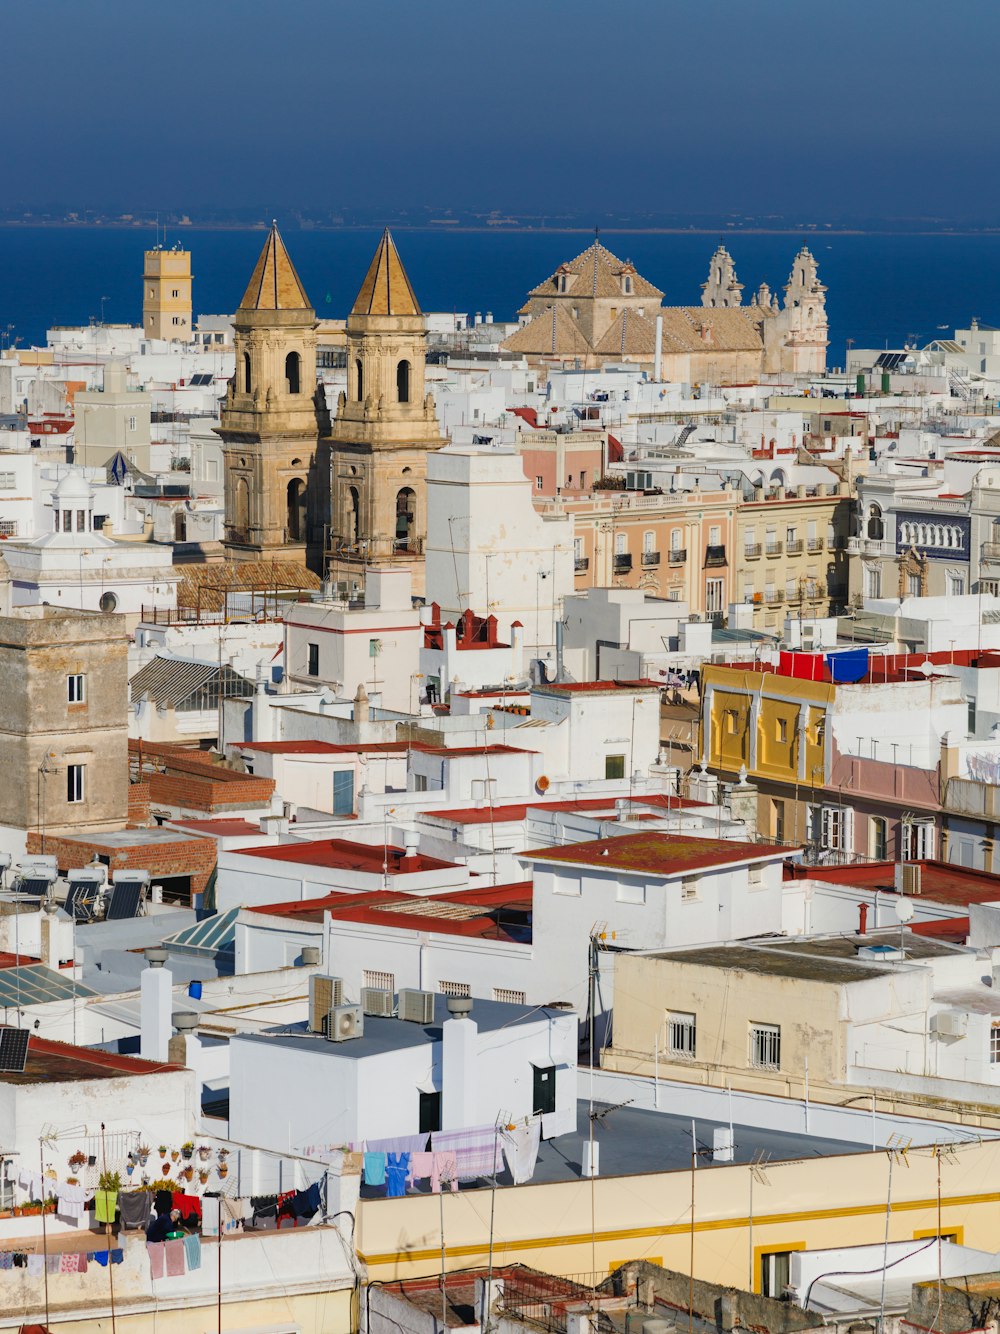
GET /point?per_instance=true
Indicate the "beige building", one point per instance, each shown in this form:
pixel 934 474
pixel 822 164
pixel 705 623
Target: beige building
pixel 63 723
pixel 384 429
pixel 112 419
pixel 166 294
pixel 597 308
pixel 790 553
pixel 269 424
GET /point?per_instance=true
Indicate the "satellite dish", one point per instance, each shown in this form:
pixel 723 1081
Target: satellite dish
pixel 927 667
pixel 904 909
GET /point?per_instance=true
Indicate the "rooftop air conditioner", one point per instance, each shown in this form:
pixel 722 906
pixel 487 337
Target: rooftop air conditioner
pixel 417 1007
pixel 950 1023
pixel 908 878
pixel 376 1002
pixel 325 993
pixel 344 1022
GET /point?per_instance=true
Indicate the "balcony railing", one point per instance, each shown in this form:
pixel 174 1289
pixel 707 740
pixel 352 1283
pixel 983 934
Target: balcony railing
pixel 752 551
pixel 991 552
pixel 714 557
pixel 870 546
pixel 650 558
pixel 678 555
pixel 774 548
pixel 623 563
pixel 814 545
pixel 581 563
pixel 772 598
pixel 794 546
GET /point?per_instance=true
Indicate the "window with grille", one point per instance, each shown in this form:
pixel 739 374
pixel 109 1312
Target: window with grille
pixel 74 783
pixel 8 528
pixel 508 996
pixel 918 841
pixel 8 480
pixel 681 1037
pixel 765 1046
pixel 995 1045
pixel 689 889
pixel 713 596
pixel 75 688
pixel 455 988
pixel 373 977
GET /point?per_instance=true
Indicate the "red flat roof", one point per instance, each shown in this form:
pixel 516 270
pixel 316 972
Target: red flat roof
pixel 515 811
pixel 57 1062
pixel 474 750
pixel 599 687
pixel 655 852
pixel 370 909
pixel 320 747
pixel 234 828
pixel 340 854
pixel 943 882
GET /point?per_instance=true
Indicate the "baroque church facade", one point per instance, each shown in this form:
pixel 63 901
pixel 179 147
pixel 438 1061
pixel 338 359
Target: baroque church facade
pixel 337 496
pixel 597 308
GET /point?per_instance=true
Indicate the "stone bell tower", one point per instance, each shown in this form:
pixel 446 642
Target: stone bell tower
pixel 384 429
pixel 269 422
pixel 722 288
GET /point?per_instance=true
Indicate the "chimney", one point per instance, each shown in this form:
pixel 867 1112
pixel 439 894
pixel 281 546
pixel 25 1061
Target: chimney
pixel 361 704
pixel 50 935
pixel 155 1004
pixel 862 919
pixel 459 1040
pixel 411 850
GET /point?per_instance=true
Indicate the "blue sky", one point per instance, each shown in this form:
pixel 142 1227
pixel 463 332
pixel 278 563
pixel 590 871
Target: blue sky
pixel 876 109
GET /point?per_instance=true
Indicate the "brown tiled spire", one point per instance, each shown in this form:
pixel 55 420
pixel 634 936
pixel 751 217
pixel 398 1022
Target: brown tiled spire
pixel 386 289
pixel 275 285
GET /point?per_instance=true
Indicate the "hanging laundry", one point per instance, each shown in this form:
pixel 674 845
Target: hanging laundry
pixel 234 1213
pixel 397 1169
pixel 105 1206
pixel 70 1203
pixel 374 1169
pixel 397 1144
pixel 157 1258
pixel 189 1205
pixel 164 1201
pixel 520 1148
pixel 69 1262
pixel 52 1263
pixel 175 1257
pixel 117 1256
pixel 192 1251
pixel 36 1266
pixel 135 1207
pixel 421 1166
pixel 477 1150
pixel 6 1259
pixel 102 1257
pixel 210 1216
pixel 445 1169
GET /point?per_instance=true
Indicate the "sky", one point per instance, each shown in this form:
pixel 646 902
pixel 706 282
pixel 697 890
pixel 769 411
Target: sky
pixel 877 109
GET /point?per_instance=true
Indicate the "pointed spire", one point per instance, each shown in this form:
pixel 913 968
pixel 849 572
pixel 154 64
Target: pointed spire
pixel 275 285
pixel 386 289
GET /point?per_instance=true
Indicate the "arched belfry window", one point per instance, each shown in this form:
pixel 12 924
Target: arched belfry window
pixel 293 373
pixel 247 376
pixel 403 382
pixel 876 528
pixel 359 381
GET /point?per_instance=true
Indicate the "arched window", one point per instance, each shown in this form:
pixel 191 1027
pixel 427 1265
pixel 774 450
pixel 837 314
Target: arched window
pixel 621 544
pixel 353 516
pixel 293 373
pixel 295 523
pixel 403 382
pixel 406 513
pixel 241 508
pixel 247 377
pixel 876 528
pixel 359 381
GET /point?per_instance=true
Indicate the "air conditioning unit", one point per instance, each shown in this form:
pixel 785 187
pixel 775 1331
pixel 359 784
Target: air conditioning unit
pixel 344 1022
pixel 417 1007
pixel 908 878
pixel 325 994
pixel 376 1002
pixel 950 1023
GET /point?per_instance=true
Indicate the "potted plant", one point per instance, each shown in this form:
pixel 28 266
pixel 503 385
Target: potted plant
pixel 174 1155
pixel 187 1173
pixel 204 1152
pixel 223 1169
pixel 163 1151
pixel 166 1169
pixel 223 1155
pixel 203 1176
pixel 142 1153
pixel 72 1181
pixel 77 1160
pixel 188 1150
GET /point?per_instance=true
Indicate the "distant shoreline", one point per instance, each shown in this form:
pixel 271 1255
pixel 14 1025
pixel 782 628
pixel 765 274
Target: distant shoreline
pixel 178 230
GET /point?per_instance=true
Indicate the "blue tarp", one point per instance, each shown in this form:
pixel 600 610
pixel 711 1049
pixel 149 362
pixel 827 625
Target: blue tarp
pixel 848 666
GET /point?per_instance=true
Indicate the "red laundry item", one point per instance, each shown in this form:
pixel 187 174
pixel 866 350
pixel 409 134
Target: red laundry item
pixel 187 1204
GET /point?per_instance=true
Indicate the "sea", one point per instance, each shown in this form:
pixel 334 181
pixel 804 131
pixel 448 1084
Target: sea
pixel 883 290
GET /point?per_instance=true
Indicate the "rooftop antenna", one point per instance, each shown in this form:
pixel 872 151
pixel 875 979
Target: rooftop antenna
pixel 758 1174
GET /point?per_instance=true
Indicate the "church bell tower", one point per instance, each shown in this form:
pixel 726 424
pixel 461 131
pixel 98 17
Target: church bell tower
pixel 269 424
pixel 384 429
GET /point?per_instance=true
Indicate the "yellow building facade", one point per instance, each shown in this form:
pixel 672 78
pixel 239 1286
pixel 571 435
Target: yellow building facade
pixel 166 294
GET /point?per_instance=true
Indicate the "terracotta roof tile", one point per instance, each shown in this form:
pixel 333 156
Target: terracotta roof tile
pixel 275 285
pixel 386 289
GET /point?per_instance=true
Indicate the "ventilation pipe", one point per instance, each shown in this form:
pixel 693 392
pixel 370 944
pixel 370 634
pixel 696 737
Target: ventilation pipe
pixel 155 1005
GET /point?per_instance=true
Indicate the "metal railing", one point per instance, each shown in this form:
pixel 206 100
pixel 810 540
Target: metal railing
pixel 773 598
pixel 623 563
pixel 774 548
pixel 794 547
pixel 678 555
pixel 650 558
pixel 991 551
pixel 714 557
pixel 814 545
pixel 751 551
pixel 581 563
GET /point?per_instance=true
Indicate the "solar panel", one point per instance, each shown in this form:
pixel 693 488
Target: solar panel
pixel 80 899
pixel 13 1050
pixel 124 903
pixel 31 885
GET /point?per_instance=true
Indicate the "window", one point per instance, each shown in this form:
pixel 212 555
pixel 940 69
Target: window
pixel 293 373
pixel 8 528
pixel 648 542
pixel 544 1092
pixel 778 812
pixel 247 374
pixel 913 585
pixel 675 539
pixel 681 1034
pixel 731 719
pixel 689 889
pixel 782 729
pixel 583 481
pixel 578 548
pixel 765 1046
pixel 873 581
pixel 175 292
pixel 343 792
pixel 455 989
pixel 74 783
pixel 67 521
pixel 74 688
pixel 756 878
pixel 970 716
pixel 175 320
pixel 359 380
pixel 8 481
pixel 81 521
pixel 956 585
pixel 614 766
pixel 508 996
pixel 420 782
pixel 312 666
pixel 621 544
pixel 918 840
pixel 878 838
pixel 630 891
pixel 403 382
pixel 430 1113
pixel 373 977
pixel 774 1273
pixel 715 536
pixel 131 423
pixel 539 483
pixel 835 828
pixel 995 1044
pixel 713 597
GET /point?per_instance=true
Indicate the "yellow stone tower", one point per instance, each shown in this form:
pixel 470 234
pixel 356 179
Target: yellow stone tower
pixel 384 429
pixel 166 294
pixel 269 424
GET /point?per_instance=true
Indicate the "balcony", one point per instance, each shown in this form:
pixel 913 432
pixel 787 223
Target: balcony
pixel 623 563
pixel 752 551
pixel 869 546
pixel 581 564
pixel 793 595
pixel 794 546
pixel 814 545
pixel 714 557
pixel 967 796
pixel 991 553
pixel 650 558
pixel 774 548
pixel 772 598
pixel 678 555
